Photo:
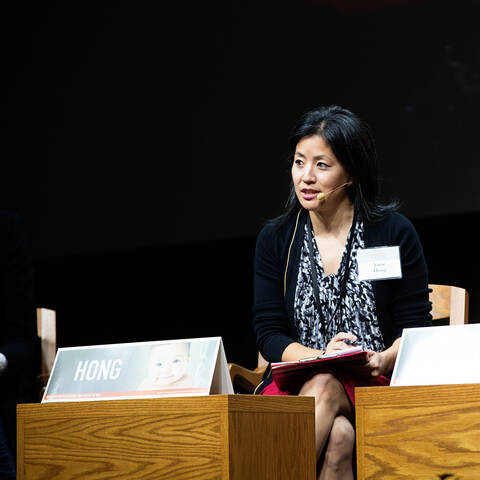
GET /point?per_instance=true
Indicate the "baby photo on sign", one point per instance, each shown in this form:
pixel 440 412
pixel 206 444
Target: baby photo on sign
pixel 168 367
pixel 180 366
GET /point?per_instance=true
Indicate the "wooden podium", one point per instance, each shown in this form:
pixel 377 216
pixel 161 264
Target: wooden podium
pixel 234 437
pixel 423 432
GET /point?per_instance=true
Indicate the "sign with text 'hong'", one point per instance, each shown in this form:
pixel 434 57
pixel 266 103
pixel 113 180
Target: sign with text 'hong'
pixel 167 368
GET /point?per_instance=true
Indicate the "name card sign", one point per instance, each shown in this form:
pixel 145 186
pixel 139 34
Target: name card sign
pixel 167 368
pixel 438 355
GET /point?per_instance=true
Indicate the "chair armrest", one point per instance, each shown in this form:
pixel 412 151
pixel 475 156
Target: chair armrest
pixel 245 378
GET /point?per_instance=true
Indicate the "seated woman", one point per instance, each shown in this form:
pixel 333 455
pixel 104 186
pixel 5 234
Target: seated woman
pixel 308 297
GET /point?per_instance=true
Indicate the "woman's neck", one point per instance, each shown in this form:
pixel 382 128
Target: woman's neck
pixel 332 221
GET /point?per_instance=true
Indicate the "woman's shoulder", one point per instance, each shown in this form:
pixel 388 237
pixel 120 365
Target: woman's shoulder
pixel 397 220
pixel 391 220
pixel 279 227
pixel 394 226
pixel 276 234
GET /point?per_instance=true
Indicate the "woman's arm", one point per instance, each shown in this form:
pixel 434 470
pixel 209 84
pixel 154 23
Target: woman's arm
pixel 410 299
pixel 296 351
pixel 270 321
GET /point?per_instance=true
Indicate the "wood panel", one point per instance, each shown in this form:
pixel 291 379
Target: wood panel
pixel 271 440
pixel 418 432
pixel 136 446
pixel 192 438
pixel 289 437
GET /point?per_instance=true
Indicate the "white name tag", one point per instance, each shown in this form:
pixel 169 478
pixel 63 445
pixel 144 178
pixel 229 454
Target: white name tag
pixel 379 263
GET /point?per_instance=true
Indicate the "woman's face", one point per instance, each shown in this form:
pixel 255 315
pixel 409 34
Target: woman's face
pixel 316 170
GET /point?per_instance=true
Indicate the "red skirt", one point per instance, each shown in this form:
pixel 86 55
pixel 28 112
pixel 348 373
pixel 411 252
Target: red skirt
pixel 348 380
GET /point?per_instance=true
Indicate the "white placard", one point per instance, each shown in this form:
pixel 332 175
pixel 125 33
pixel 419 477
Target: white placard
pixel 379 263
pixel 438 356
pixel 167 368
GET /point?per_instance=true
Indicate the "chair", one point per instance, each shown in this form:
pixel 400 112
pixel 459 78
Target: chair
pixel 247 379
pixel 448 303
pixel 47 333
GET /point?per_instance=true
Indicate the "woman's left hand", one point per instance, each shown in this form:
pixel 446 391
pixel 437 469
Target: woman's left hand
pixel 381 363
pixel 376 364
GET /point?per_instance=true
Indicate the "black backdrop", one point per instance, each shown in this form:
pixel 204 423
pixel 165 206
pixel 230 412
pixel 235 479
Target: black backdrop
pixel 144 145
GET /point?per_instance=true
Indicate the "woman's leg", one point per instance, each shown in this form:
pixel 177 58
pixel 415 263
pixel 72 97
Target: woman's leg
pixel 339 451
pixel 330 402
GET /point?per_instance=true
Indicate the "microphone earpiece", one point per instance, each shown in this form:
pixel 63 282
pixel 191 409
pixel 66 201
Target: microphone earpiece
pixel 322 195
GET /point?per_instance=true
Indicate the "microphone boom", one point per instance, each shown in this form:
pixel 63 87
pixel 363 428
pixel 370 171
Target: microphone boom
pixel 323 195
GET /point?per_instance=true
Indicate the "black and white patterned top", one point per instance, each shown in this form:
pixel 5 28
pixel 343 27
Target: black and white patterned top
pixel 357 311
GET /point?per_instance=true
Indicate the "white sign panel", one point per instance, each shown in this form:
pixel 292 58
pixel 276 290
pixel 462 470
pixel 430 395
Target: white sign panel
pixel 167 368
pixel 438 356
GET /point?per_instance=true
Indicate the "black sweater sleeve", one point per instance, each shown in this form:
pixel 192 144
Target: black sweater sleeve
pixel 271 324
pixel 410 302
pixel 402 303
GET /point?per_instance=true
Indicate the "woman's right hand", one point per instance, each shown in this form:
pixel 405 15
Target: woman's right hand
pixel 337 342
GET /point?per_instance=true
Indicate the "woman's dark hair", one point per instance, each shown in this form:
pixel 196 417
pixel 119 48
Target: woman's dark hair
pixel 352 142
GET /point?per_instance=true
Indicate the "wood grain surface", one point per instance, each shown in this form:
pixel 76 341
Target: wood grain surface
pixel 197 438
pixel 419 432
pixel 276 446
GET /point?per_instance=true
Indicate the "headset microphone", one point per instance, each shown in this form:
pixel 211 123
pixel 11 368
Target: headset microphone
pixel 322 195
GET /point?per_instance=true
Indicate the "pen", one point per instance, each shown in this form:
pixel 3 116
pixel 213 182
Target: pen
pixel 351 342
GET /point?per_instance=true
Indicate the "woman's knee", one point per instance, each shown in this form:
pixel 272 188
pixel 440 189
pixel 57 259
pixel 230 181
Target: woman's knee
pixel 322 386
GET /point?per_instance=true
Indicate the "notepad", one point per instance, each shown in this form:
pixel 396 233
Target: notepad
pixel 290 376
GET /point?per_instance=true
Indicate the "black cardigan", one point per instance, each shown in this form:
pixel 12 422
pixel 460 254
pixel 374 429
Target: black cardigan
pixel 401 303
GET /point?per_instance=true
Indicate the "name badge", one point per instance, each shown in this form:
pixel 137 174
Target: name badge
pixel 379 263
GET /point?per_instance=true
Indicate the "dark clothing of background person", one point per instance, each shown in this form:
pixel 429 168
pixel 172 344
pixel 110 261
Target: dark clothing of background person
pixel 18 338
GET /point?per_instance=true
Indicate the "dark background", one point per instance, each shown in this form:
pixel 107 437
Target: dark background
pixel 144 145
